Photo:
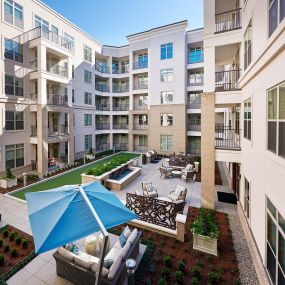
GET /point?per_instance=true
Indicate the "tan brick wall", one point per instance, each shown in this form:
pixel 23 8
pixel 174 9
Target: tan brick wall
pixel 208 150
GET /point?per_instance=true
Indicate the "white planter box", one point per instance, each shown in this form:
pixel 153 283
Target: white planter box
pixel 8 183
pixel 205 244
pixel 90 156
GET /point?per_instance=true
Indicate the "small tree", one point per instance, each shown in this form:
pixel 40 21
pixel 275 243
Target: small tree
pixel 9 174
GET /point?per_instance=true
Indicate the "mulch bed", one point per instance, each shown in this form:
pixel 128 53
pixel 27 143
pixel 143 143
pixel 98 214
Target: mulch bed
pixel 13 263
pixel 218 178
pixel 226 265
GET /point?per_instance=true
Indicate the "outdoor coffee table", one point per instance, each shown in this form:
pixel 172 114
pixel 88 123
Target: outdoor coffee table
pixel 176 173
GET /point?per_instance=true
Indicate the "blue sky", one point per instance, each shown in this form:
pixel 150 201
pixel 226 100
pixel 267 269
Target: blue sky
pixel 110 21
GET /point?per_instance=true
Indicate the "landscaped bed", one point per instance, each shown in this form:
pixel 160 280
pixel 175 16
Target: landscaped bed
pixel 16 250
pixel 72 177
pixel 174 262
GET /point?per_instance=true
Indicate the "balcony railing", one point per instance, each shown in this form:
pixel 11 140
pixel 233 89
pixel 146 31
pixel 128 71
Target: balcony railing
pixel 34 131
pixel 140 64
pixel 196 80
pixel 121 70
pixel 227 80
pixel 120 126
pixel 101 147
pixel 227 138
pixel 194 151
pixel 102 107
pixel 102 87
pixel 121 146
pixel 140 148
pixel 138 106
pixel 196 58
pixel 102 68
pixel 60 130
pixel 196 104
pixel 194 127
pixel 103 126
pixel 121 107
pixel 120 88
pixel 58 100
pixel 57 69
pixel 228 21
pixel 140 85
pixel 140 126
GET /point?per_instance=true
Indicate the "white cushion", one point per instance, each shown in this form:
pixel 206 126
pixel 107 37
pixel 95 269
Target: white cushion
pixel 127 232
pixel 124 250
pixel 66 253
pixel 114 268
pixel 95 268
pixel 148 187
pixel 113 254
pixel 133 236
pixel 178 190
pixel 82 262
pixel 172 197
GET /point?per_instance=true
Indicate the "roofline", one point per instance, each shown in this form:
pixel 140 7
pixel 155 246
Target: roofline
pixel 156 28
pixel 194 30
pixel 115 46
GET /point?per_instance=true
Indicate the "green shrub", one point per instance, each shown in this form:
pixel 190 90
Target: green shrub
pixel 162 281
pixel 1 242
pixel 165 273
pixel 9 174
pixel 14 252
pixel 213 277
pixel 181 265
pixel 5 233
pixel 168 260
pixel 195 281
pixel 19 240
pixel 25 243
pixel 2 259
pixel 178 276
pixel 12 236
pixel 196 271
pixel 6 248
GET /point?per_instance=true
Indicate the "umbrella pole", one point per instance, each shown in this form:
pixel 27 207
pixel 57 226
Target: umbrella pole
pixel 103 230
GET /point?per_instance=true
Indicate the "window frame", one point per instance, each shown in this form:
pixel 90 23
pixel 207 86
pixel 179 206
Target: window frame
pixel 247 42
pixel 87 53
pixel 167 54
pixel 19 23
pixel 15 55
pixel 167 93
pixel 87 72
pixel 15 148
pixel 88 140
pixel 15 87
pixel 247 199
pixel 15 121
pixel 88 96
pixel 168 76
pixel 169 120
pixel 169 146
pixel 88 120
pixel 246 121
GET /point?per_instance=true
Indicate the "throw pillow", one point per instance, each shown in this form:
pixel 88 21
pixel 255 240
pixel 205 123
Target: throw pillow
pixel 70 246
pixel 108 263
pixel 75 249
pixel 148 187
pixel 127 232
pixel 122 240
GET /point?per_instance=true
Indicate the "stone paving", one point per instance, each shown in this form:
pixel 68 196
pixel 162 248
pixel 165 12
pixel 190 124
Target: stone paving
pixel 42 269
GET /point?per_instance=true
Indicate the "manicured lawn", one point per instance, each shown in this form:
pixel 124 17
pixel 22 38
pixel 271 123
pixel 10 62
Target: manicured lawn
pixel 73 177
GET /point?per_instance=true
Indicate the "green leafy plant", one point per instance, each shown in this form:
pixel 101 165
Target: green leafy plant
pixel 196 271
pixel 18 240
pixel 165 273
pixel 162 281
pixel 12 236
pixel 2 259
pixel 167 260
pixel 25 243
pixel 9 174
pixel 14 252
pixel 5 233
pixel 6 248
pixel 213 278
pixel 1 242
pixel 205 225
pixel 178 276
pixel 195 281
pixel 181 265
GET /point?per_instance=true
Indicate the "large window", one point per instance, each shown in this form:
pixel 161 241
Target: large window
pixel 87 53
pixel 14 155
pixel 88 76
pixel 248 45
pixel 69 39
pixel 14 121
pixel 13 50
pixel 13 85
pixel 196 55
pixel 166 51
pixel 39 22
pixel 143 120
pixel 247 119
pixel 166 75
pixel 196 77
pixel 87 120
pixel 275 249
pixel 88 142
pixel 194 100
pixel 166 142
pixel 276 120
pixel 276 12
pixel 142 140
pixel 13 14
pixel 166 120
pixel 166 97
pixel 246 198
pixel 87 98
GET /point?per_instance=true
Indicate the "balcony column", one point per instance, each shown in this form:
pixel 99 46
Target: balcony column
pixel 70 138
pixel 208 150
pixel 42 57
pixel 42 83
pixel 130 136
pixel 131 98
pixel 209 69
pixel 42 135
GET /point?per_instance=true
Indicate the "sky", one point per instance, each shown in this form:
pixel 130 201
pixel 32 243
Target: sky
pixel 110 21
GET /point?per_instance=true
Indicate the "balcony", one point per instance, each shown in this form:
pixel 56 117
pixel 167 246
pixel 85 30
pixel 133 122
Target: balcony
pixel 227 80
pixel 194 127
pixel 57 130
pixel 120 126
pixel 121 146
pixel 102 68
pixel 102 147
pixel 228 21
pixel 121 70
pixel 102 87
pixel 34 131
pixel 140 64
pixel 102 126
pixel 102 107
pixel 196 57
pixel 194 151
pixel 227 138
pixel 140 85
pixel 196 80
pixel 138 106
pixel 140 126
pixel 56 69
pixel 120 88
pixel 140 148
pixel 58 100
pixel 121 107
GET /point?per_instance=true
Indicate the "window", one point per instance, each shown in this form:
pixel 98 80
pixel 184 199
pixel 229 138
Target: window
pixel 73 95
pixel 69 39
pixel 143 120
pixel 166 97
pixel 72 71
pixel 88 76
pixel 246 198
pixel 247 119
pixel 194 145
pixel 87 120
pixel 87 53
pixel 87 98
pixel 88 142
pixel 247 45
pixel 14 155
pixel 54 30
pixel 276 12
pixel 13 85
pixel 195 100
pixel 142 140
pixel 166 75
pixel 13 51
pixel 196 55
pixel 196 77
pixel 14 121
pixel 166 51
pixel 166 120
pixel 275 249
pixel 166 142
pixel 276 120
pixel 39 22
pixel 13 14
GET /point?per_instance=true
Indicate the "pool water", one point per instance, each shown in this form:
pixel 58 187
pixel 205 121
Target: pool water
pixel 122 175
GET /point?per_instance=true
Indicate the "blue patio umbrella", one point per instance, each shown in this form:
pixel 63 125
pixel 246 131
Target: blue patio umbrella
pixel 71 212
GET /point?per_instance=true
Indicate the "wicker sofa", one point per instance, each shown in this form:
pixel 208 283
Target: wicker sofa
pixel 78 274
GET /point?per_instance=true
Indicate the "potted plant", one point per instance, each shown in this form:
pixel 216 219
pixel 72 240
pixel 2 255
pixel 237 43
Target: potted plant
pixel 90 155
pixel 205 232
pixel 9 180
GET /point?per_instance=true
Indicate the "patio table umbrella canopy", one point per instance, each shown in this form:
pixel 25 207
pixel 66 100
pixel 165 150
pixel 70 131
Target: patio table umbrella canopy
pixel 61 215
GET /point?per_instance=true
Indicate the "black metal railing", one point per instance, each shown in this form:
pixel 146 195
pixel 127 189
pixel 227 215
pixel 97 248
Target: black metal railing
pixel 103 126
pixel 101 147
pixel 194 127
pixel 34 131
pixel 227 138
pixel 121 70
pixel 121 107
pixel 227 80
pixel 140 64
pixel 120 88
pixel 228 21
pixel 58 130
pixel 154 211
pixel 140 147
pixel 120 126
pixel 102 107
pixel 102 68
pixel 102 87
pixel 56 69
pixel 121 146
pixel 140 126
pixel 140 85
pixel 138 106
pixel 58 100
